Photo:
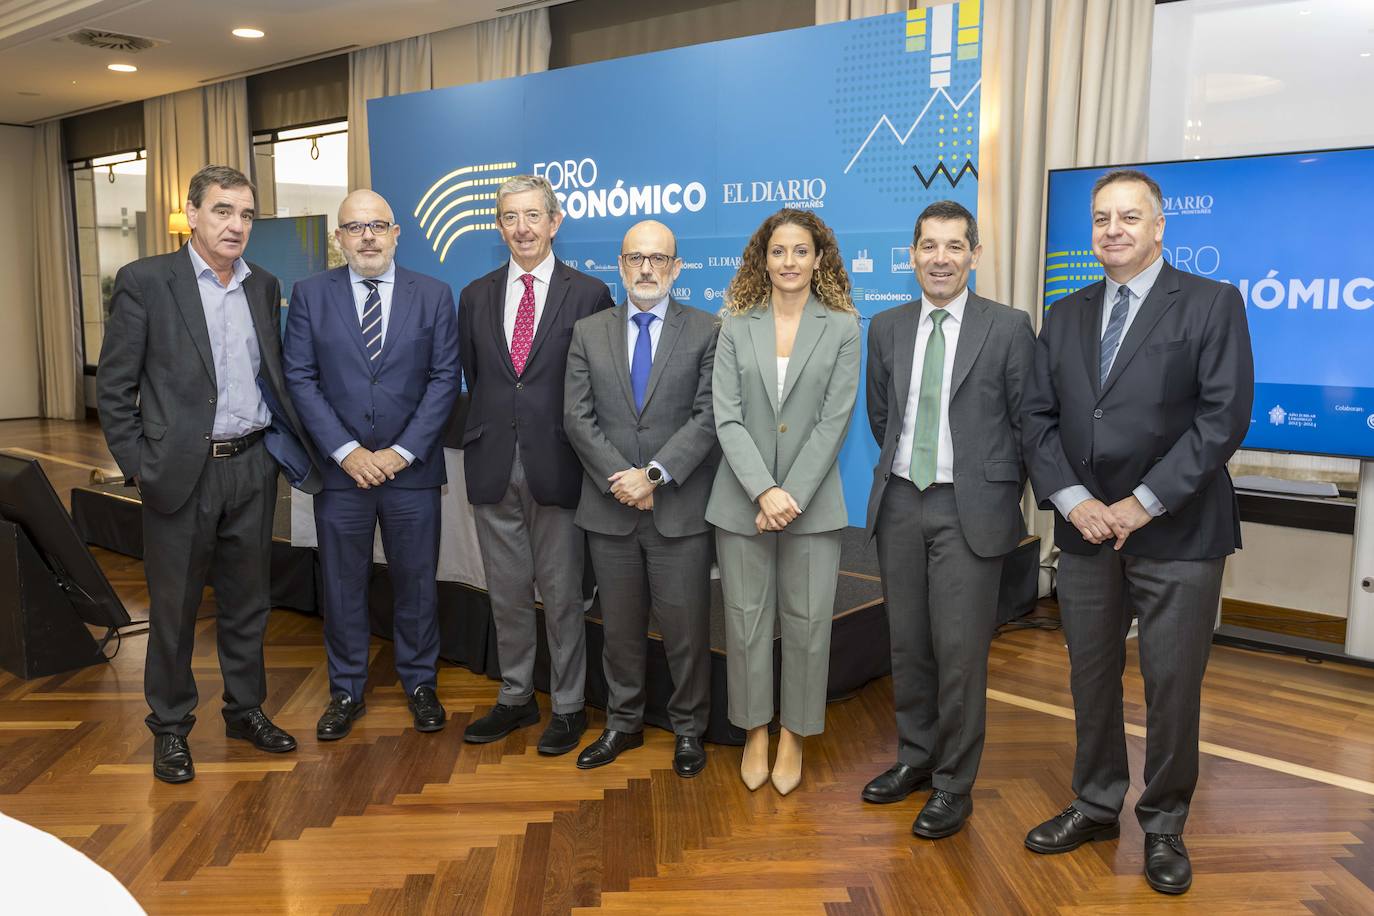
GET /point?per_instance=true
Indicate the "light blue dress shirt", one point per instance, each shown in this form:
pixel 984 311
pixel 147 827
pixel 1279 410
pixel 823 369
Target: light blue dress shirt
pixel 386 286
pixel 239 406
pixel 1069 498
pixel 660 310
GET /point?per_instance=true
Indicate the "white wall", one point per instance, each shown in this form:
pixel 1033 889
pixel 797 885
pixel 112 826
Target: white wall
pixel 18 321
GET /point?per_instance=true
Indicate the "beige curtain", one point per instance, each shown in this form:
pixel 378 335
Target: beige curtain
pixel 61 386
pixel 183 132
pixel 492 50
pixel 1065 83
pixel 843 10
pixel 389 69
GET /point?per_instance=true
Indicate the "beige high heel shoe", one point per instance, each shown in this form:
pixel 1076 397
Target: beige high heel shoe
pixel 752 770
pixel 787 768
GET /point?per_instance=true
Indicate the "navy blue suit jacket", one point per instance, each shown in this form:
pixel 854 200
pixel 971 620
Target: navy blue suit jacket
pixel 403 398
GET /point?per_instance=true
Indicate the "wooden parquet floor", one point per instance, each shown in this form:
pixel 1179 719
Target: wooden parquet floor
pixel 391 821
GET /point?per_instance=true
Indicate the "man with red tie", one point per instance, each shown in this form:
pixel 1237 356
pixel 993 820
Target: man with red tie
pixel 523 477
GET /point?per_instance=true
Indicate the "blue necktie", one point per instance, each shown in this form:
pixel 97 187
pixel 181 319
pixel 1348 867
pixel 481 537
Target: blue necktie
pixel 643 360
pixel 1111 338
pixel 372 320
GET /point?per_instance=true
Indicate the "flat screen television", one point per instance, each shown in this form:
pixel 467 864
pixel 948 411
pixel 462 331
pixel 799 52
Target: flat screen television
pixel 1293 233
pixel 28 500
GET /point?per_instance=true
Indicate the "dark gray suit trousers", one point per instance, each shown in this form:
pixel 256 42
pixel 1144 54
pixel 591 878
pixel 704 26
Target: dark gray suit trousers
pixel 1176 603
pixel 941 610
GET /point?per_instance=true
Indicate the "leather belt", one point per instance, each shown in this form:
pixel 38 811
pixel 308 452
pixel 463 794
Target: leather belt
pixel 228 448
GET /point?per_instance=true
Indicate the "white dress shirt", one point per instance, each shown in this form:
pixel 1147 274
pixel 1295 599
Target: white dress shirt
pixel 386 285
pixel 944 451
pixel 1069 498
pixel 239 406
pixel 515 291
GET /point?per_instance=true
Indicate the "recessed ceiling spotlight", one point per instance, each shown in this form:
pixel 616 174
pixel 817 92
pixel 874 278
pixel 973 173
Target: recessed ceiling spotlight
pixel 1304 12
pixel 249 33
pixel 122 68
pixel 1364 53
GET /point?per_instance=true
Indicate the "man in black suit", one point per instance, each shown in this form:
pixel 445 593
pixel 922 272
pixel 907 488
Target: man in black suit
pixel 1142 390
pixel 194 408
pixel 523 477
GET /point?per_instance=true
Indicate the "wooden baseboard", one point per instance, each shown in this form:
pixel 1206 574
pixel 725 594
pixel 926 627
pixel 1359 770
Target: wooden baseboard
pixel 1286 620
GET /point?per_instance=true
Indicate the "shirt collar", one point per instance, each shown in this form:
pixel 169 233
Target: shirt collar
pixel 543 271
pixel 660 310
pixel 241 271
pixel 1139 285
pixel 388 276
pixel 955 308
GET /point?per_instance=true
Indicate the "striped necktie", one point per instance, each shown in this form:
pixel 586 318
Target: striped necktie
pixel 1111 338
pixel 372 320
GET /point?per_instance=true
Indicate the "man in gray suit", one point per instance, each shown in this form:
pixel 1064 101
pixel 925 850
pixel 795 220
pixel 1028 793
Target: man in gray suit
pixel 945 375
pixel 637 409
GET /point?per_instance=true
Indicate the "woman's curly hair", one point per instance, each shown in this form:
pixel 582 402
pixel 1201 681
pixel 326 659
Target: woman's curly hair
pixel 750 288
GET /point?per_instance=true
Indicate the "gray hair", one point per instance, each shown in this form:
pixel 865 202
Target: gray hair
pixel 1116 175
pixel 949 209
pixel 221 176
pixel 522 183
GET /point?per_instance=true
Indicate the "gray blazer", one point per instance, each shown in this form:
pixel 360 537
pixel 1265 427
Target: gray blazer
pixel 795 445
pixel 675 429
pixel 992 363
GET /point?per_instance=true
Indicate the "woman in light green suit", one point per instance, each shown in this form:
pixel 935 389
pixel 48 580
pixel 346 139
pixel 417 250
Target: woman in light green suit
pixel 784 382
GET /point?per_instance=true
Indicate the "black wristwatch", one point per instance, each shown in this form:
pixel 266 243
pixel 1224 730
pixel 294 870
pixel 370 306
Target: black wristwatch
pixel 655 475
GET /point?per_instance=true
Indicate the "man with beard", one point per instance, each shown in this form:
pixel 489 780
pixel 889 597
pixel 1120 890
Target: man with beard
pixel 372 364
pixel 637 409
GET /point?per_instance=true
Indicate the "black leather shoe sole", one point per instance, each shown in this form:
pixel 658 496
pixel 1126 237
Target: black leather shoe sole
pixel 1169 888
pixel 174 779
pixel 938 834
pixel 873 798
pixel 558 750
pixel 243 735
pixel 430 726
pixel 687 772
pixel 1108 832
pixel 347 727
pixel 531 718
pixel 629 745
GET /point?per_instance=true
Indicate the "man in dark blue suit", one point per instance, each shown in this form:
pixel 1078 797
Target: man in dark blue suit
pixel 372 365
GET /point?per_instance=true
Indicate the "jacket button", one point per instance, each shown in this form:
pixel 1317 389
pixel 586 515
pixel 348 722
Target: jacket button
pixel 512 424
pixel 374 381
pixel 1083 461
pixel 1097 414
pixel 207 435
pixel 519 386
pixel 782 428
pixel 212 400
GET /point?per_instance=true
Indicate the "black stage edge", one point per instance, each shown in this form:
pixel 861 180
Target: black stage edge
pixel 109 516
pixel 1281 643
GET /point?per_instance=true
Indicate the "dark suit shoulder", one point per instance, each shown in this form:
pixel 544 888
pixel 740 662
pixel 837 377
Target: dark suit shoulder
pixel 892 315
pixel 579 281
pixel 157 265
pixel 699 319
pixel 260 274
pixel 422 281
pixel 495 276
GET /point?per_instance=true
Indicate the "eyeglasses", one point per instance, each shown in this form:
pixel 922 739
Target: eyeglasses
pixel 531 217
pixel 634 259
pixel 378 227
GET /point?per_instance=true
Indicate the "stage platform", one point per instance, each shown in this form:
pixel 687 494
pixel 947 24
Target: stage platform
pixel 109 516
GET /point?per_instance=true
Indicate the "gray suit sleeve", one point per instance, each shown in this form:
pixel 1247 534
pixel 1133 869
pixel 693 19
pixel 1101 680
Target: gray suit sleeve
pixel 727 400
pixel 1041 446
pixel 822 446
pixel 694 440
pixel 1020 365
pixel 600 458
pixel 121 367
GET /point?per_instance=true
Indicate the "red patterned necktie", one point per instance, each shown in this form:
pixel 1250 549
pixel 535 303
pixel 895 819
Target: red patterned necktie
pixel 524 326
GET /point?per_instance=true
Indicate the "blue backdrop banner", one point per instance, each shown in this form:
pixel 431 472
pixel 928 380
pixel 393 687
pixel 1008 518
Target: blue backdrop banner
pixel 863 122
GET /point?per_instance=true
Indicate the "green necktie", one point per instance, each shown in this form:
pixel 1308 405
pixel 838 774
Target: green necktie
pixel 926 446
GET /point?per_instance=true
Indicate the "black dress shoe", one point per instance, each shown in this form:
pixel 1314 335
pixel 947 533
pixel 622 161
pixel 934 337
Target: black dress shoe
pixel 501 721
pixel 1069 829
pixel 943 815
pixel 563 733
pixel 895 784
pixel 426 709
pixel 172 759
pixel 339 716
pixel 605 749
pixel 1166 863
pixel 689 757
pixel 255 727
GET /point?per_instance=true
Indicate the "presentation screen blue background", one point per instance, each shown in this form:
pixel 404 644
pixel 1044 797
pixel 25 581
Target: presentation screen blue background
pixel 864 123
pixel 1293 233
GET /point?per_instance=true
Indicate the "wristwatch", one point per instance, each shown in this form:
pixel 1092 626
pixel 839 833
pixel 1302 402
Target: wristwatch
pixel 655 475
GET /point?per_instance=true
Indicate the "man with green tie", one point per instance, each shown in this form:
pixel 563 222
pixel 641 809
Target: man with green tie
pixel 945 375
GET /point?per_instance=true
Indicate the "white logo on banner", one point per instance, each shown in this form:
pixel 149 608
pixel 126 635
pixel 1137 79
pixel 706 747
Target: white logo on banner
pixel 1277 415
pixel 862 264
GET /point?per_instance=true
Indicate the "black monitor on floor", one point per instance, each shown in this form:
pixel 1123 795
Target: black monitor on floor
pixel 28 500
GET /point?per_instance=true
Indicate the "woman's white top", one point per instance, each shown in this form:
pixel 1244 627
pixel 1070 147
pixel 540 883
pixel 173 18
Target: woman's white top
pixel 782 376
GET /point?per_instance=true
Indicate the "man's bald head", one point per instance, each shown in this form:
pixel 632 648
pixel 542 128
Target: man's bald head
pixel 371 250
pixel 645 283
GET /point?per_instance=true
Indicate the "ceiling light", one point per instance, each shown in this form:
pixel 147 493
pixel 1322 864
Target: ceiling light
pixel 249 33
pixel 1364 53
pixel 122 68
pixel 1304 12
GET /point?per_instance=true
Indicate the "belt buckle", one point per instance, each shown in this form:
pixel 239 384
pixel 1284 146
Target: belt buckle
pixel 228 450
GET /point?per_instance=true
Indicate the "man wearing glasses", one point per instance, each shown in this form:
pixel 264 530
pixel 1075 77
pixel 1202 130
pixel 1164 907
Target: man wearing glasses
pixel 637 408
pixel 372 365
pixel 523 477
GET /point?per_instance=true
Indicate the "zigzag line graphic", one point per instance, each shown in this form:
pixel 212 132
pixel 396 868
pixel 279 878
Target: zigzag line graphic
pixel 952 179
pixel 902 138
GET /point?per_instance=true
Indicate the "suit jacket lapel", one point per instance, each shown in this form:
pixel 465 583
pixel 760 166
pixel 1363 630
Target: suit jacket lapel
pixel 496 314
pixel 764 334
pixel 617 340
pixel 972 335
pixel 1090 334
pixel 553 304
pixel 667 339
pixel 402 314
pixel 186 294
pixel 904 354
pixel 347 311
pixel 259 311
pixel 1162 297
pixel 809 332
